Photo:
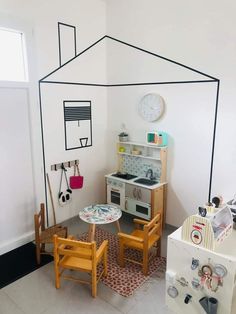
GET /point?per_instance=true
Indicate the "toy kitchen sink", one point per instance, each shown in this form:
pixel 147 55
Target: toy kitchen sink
pixel 146 181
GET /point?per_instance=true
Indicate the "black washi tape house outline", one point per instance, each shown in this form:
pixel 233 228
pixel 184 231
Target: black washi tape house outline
pixel 201 77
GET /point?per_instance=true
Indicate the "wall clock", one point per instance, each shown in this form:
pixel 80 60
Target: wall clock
pixel 151 107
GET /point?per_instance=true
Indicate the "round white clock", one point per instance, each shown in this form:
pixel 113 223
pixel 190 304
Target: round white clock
pixel 151 107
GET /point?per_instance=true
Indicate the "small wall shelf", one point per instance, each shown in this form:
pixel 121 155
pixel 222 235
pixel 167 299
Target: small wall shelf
pixel 142 144
pixel 146 151
pixel 139 156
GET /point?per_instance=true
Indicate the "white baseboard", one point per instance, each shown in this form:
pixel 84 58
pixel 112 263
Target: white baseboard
pixel 25 238
pixel 15 243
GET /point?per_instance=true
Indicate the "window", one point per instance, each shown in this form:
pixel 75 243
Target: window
pixel 12 56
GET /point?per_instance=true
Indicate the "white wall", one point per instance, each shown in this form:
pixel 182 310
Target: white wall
pixel 93 160
pixel 188 120
pixel 89 67
pixel 88 15
pixel 201 35
pixel 42 17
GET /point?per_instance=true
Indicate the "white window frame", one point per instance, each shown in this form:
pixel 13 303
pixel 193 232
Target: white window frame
pixel 16 25
pixel 23 50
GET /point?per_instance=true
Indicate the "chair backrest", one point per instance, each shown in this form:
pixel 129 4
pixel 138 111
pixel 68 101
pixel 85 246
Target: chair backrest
pixel 153 227
pixel 39 220
pixel 69 247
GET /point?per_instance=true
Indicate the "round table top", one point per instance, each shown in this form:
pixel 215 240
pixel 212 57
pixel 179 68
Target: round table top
pixel 100 214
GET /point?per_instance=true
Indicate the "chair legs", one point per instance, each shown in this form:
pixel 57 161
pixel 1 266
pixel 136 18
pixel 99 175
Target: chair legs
pixel 38 256
pixel 158 248
pixel 105 263
pixel 57 278
pixel 94 283
pixel 43 247
pixel 122 260
pixel 145 263
pixel 56 268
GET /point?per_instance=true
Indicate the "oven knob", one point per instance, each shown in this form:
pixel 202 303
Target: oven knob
pixel 120 185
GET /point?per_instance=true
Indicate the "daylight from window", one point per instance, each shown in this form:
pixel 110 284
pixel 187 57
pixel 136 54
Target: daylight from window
pixel 12 59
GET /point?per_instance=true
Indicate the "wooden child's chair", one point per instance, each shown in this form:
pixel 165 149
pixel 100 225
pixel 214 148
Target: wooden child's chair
pixel 142 239
pixel 44 235
pixel 81 256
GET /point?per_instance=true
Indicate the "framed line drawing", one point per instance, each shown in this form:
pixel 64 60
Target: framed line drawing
pixel 77 124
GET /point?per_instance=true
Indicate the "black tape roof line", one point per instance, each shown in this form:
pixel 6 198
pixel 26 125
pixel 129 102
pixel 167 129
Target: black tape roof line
pixel 208 79
pixel 133 47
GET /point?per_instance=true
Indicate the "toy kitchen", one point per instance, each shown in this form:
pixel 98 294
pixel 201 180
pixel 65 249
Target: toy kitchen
pixel 139 186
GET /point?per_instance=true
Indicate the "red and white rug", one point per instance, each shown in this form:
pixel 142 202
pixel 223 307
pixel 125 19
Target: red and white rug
pixel 125 280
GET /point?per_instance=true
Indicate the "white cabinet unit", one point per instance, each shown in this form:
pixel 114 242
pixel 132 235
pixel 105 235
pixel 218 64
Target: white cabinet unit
pixel 138 193
pixel 137 208
pixel 115 192
pixel 199 280
pixel 135 199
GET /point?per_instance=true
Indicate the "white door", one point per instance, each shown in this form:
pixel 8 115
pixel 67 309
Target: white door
pixel 16 176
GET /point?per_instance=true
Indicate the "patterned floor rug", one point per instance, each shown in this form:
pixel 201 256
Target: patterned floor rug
pixel 128 279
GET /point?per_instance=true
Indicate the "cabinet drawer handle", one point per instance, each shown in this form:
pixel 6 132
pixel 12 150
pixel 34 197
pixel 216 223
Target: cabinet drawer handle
pixel 139 194
pixel 135 193
pixel 126 205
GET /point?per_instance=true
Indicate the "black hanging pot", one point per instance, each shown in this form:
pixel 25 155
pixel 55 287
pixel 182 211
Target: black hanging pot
pixel 123 137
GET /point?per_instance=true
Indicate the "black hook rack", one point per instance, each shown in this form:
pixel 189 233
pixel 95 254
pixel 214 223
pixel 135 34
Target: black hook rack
pixel 64 165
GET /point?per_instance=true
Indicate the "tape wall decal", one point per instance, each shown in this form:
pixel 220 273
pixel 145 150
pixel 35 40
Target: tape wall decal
pixel 77 124
pixel 66 53
pixel 79 113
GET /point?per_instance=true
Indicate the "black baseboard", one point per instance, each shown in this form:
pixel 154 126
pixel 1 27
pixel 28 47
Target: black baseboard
pixel 20 262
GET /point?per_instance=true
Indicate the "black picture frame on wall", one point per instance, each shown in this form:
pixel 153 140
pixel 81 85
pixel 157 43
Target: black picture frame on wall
pixel 77 115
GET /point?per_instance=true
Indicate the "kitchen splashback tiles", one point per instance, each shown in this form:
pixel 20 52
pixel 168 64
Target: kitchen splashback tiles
pixel 137 166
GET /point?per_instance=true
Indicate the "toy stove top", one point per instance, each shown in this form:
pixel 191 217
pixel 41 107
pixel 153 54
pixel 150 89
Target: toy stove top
pixel 125 176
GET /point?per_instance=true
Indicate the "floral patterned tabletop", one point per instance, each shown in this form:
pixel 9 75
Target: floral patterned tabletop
pixel 100 214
